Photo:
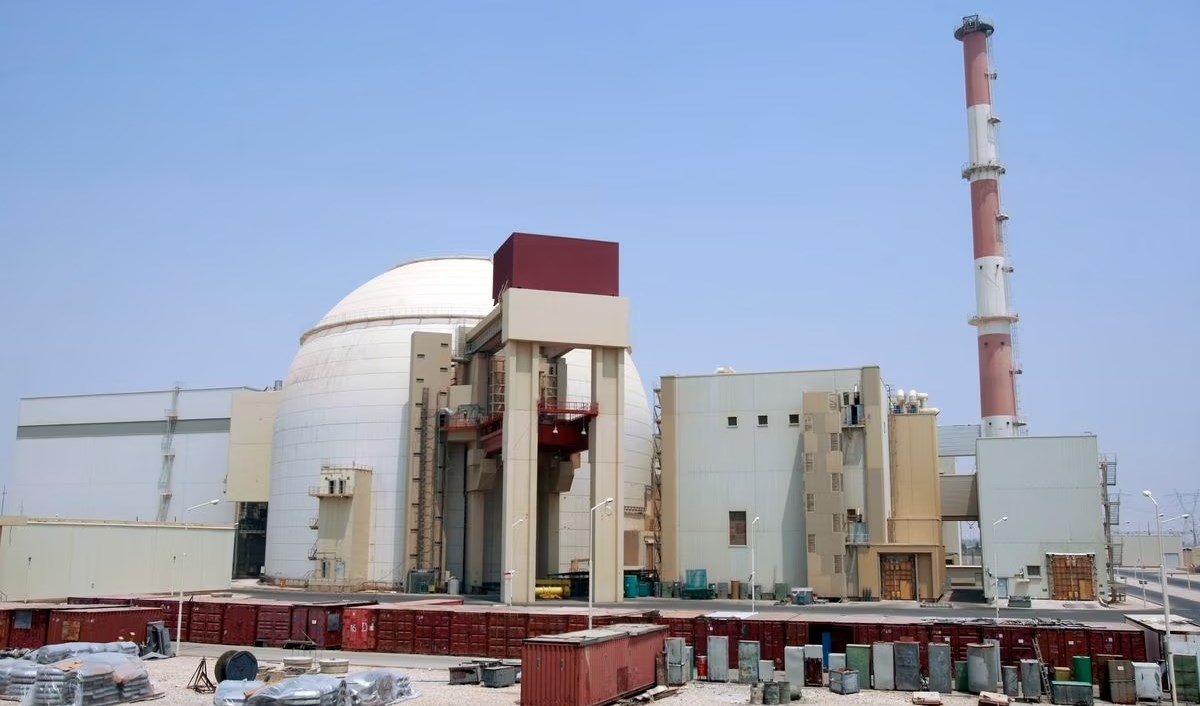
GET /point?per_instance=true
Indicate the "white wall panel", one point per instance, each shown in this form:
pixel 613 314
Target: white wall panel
pixel 1049 488
pixel 111 558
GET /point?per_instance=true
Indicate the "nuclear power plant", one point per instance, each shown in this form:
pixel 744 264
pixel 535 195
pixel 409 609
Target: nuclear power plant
pixel 477 425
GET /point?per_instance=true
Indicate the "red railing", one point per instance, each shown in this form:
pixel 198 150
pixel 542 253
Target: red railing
pixel 569 409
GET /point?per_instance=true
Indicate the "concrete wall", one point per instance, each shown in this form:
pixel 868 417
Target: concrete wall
pixel 711 468
pixel 251 429
pixel 101 456
pixel 44 559
pixel 1049 488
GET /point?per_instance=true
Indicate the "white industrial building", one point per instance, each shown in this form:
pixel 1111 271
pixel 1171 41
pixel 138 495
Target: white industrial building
pixel 348 402
pixel 734 450
pixel 1053 543
pixel 135 456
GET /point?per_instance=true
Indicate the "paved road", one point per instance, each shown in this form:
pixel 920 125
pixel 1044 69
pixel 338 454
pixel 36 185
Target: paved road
pixel 1186 607
pixel 958 610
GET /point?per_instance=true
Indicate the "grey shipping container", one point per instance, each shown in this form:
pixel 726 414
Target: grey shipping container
pixel 883 659
pixel 941 674
pixel 748 662
pixel 793 667
pixel 837 660
pixel 1031 679
pixel 675 650
pixel 1121 686
pixel 843 681
pixel 907 656
pixel 718 658
pixel 1011 681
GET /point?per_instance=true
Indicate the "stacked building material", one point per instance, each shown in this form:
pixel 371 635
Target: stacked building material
pixel 307 690
pixel 375 688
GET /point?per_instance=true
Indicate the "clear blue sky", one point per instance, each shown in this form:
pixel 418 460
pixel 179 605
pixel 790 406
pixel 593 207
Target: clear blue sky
pixel 184 188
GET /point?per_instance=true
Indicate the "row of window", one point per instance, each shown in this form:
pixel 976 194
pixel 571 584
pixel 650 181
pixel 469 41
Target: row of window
pixel 737 527
pixel 764 419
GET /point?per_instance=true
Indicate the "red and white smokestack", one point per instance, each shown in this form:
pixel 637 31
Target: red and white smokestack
pixel 993 319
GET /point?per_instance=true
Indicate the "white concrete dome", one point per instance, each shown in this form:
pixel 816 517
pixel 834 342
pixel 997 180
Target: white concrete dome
pixel 345 402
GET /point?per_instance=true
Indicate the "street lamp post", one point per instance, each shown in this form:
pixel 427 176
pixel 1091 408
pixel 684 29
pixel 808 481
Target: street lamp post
pixel 510 572
pixel 178 574
pixel 592 554
pixel 996 568
pixel 1166 594
pixel 753 562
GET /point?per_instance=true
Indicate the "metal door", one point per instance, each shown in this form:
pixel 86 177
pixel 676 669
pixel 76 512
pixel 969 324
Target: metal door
pixel 898 574
pixel 1072 577
pixel 1002 587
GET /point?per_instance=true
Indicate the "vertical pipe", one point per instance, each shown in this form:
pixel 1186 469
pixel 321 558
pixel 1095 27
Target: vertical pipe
pixel 993 319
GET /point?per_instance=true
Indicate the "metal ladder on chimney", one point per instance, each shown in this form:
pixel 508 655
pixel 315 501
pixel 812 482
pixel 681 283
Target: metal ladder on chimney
pixel 1037 652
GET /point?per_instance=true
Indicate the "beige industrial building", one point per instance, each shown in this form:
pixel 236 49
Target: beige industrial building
pixel 42 558
pixel 843 483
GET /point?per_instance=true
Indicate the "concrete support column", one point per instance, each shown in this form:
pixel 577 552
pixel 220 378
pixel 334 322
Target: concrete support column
pixel 606 452
pixel 473 565
pixel 520 456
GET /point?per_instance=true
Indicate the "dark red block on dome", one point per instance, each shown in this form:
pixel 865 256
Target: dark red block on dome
pixel 556 264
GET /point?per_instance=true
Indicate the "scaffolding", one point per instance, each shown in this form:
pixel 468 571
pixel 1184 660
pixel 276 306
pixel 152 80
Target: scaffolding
pixel 1112 519
pixel 656 486
pixel 496 386
pixel 428 544
pixel 165 493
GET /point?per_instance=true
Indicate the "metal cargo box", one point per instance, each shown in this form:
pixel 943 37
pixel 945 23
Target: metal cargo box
pixel 590 667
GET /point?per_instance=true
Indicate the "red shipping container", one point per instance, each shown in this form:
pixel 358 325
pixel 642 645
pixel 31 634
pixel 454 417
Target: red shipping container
pixel 241 624
pixel 590 668
pixel 274 625
pixel 100 624
pixel 28 625
pixel 358 629
pixel 5 617
pixel 318 626
pixel 207 621
pixel 556 264
pixel 169 611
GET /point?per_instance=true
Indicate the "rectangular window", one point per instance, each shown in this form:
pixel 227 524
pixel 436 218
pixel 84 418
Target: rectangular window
pixel 420 355
pixel 812 502
pixel 837 522
pixel 812 542
pixel 1033 570
pixel 835 441
pixel 837 563
pixel 837 482
pixel 737 528
pixel 762 420
pixel 808 422
pixel 420 380
pixel 810 462
pixel 794 419
pixel 731 422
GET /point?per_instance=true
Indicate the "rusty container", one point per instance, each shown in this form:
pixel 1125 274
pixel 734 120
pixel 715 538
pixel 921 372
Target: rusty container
pixel 100 624
pixel 274 625
pixel 394 630
pixel 206 624
pixel 358 629
pixel 5 618
pixel 27 625
pixel 317 625
pixel 240 626
pixel 590 667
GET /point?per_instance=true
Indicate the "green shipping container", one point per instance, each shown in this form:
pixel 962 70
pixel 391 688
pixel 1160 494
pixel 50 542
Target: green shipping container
pixel 1187 677
pixel 858 658
pixel 1082 668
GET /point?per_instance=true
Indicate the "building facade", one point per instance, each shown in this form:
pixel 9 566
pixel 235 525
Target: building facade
pixel 138 456
pixel 1052 544
pixel 804 452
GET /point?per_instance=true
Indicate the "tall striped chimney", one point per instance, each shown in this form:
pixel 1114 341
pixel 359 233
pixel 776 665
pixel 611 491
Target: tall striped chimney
pixel 993 318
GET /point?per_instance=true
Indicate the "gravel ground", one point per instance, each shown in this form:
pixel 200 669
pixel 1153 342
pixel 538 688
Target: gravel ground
pixel 172 675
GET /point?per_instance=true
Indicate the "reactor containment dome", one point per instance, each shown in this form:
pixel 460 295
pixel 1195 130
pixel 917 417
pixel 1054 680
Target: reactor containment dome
pixel 345 402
